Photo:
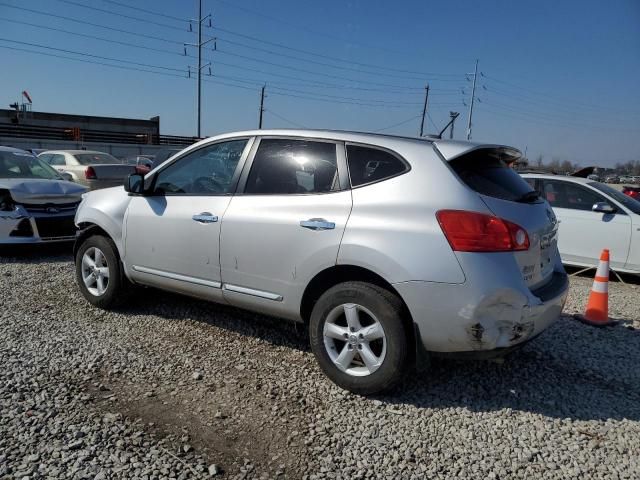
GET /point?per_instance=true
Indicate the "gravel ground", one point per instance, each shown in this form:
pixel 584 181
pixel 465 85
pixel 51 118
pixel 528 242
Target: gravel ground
pixel 172 387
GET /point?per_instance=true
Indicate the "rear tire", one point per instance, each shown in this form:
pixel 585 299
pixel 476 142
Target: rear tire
pixel 358 337
pixel 99 273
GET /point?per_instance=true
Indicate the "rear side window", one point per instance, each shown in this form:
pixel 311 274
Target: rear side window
pixel 484 172
pixel 368 165
pixel 283 166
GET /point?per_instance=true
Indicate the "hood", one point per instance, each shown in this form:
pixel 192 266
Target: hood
pixel 24 190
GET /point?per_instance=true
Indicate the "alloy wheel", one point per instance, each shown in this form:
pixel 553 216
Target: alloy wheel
pixel 95 271
pixel 354 339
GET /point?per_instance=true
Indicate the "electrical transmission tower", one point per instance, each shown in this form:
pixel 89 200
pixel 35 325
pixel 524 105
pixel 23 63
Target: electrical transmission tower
pixel 199 46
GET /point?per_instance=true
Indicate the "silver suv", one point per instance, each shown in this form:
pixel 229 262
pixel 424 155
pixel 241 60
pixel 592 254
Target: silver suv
pixel 390 249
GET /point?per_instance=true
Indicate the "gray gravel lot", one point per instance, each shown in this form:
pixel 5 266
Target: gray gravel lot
pixel 172 387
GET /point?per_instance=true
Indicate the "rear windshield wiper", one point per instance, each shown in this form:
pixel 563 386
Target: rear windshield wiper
pixel 528 197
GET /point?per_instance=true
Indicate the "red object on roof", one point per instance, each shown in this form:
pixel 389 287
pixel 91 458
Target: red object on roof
pixel 26 95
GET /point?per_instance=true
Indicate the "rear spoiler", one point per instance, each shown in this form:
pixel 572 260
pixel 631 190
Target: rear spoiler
pixel 451 150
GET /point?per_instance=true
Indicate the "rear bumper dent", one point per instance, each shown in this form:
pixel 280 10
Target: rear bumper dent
pixel 460 318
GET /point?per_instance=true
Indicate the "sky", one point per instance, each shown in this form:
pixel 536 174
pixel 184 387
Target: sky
pixel 558 79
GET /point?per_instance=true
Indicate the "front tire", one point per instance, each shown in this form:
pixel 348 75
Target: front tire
pixel 99 272
pixel 358 337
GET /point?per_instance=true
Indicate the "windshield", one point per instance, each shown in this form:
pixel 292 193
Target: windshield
pixel 25 165
pixel 631 203
pixel 96 158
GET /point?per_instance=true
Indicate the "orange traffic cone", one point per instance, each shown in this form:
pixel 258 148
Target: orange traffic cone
pixel 597 311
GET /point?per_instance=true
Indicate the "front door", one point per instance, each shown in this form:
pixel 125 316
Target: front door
pixel 172 234
pixel 285 225
pixel 583 233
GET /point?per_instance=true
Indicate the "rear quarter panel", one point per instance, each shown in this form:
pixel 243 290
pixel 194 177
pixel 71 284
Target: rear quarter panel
pixel 393 230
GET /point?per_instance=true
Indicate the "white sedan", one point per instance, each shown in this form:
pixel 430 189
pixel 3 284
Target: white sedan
pixel 592 216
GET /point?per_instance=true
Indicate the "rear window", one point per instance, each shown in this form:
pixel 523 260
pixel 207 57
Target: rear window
pixel 485 172
pixel 95 158
pixel 368 165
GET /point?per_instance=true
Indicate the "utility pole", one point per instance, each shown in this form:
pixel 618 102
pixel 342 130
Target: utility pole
pixel 424 109
pixel 261 107
pixel 473 98
pixel 453 116
pixel 199 46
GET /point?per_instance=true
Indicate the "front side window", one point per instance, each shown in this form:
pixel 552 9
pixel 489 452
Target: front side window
pixel 368 165
pixel 206 171
pixel 570 195
pixel 283 166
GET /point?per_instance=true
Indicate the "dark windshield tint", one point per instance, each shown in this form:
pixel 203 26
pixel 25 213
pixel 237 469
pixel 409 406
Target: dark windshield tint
pixel 95 158
pixel 25 165
pixel 487 174
pixel 631 203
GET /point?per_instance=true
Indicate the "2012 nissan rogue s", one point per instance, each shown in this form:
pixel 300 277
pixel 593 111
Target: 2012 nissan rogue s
pixel 389 248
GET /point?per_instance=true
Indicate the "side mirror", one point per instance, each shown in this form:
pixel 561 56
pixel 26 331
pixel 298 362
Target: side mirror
pixel 134 184
pixel 603 207
pixel 66 176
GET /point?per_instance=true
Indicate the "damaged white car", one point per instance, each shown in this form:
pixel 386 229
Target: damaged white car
pixel 36 203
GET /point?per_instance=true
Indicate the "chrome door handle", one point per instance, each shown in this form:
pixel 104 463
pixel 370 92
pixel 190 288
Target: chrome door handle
pixel 317 224
pixel 205 217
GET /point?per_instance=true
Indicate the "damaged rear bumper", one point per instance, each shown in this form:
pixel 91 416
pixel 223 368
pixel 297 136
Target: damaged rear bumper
pixel 483 319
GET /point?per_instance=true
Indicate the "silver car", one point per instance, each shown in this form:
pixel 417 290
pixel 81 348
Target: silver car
pixel 93 169
pixel 36 204
pixel 389 249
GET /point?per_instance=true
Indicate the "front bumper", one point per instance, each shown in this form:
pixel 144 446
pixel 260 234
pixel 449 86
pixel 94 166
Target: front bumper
pixel 20 227
pixel 483 316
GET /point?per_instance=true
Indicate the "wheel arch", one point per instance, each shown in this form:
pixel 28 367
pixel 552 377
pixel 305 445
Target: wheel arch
pixel 88 229
pixel 336 274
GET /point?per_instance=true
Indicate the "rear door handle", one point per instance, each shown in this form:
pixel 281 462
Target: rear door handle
pixel 205 217
pixel 317 224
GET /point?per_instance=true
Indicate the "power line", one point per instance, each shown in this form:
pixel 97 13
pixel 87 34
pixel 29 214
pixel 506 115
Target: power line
pixel 549 97
pixel 295 124
pixel 441 92
pixel 109 40
pixel 299 27
pixel 316 62
pixel 337 59
pixel 415 117
pixel 123 15
pixel 122 67
pixel 83 22
pixel 91 55
pixel 350 62
pixel 150 12
pixel 302 70
pixel 214 81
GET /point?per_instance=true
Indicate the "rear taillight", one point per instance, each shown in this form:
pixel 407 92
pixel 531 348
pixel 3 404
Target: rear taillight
pixel 90 173
pixel 478 232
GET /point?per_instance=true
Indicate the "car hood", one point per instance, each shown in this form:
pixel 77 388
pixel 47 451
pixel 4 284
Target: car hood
pixel 26 190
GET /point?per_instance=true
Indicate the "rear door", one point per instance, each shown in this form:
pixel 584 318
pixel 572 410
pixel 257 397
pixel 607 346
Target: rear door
pixel 583 232
pixel 508 196
pixel 285 224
